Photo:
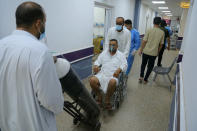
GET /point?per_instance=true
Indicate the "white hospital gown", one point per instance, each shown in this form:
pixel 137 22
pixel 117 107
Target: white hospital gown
pixel 30 91
pixel 109 65
pixel 123 38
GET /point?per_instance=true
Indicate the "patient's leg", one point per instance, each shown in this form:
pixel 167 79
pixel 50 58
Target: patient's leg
pixel 110 90
pixel 95 85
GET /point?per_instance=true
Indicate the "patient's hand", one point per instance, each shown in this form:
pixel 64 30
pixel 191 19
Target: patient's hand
pixel 117 72
pixel 96 69
pixel 54 59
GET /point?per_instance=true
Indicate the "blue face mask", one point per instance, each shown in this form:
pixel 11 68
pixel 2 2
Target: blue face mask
pixel 118 27
pixel 112 49
pixel 42 36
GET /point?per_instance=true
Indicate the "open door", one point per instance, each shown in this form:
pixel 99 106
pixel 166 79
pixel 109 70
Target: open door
pixel 102 23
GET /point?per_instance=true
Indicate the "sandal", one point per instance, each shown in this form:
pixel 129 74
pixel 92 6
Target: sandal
pixel 99 102
pixel 108 106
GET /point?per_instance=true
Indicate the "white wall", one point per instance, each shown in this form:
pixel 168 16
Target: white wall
pixel 99 21
pixel 69 22
pixel 189 70
pixel 124 8
pixel 146 18
pixel 182 22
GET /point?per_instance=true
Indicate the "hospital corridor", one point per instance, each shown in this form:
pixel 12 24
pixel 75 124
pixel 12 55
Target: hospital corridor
pixel 145 108
pixel 98 65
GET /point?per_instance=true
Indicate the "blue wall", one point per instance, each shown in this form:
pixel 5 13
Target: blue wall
pixel 137 14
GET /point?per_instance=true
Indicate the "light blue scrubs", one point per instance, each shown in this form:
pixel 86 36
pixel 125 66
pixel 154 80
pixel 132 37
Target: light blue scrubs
pixel 169 30
pixel 170 33
pixel 135 44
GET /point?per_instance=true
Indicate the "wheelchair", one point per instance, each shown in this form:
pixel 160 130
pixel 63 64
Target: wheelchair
pixel 119 93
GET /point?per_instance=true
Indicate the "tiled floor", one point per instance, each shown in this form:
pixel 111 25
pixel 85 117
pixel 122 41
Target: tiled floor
pixel 146 107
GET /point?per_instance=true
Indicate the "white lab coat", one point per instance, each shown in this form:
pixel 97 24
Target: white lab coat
pixel 109 65
pixel 30 91
pixel 123 38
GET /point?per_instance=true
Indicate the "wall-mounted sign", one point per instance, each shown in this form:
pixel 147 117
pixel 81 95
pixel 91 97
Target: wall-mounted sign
pixel 184 4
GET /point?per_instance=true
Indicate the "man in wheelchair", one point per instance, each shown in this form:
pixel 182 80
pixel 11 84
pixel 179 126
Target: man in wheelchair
pixel 107 68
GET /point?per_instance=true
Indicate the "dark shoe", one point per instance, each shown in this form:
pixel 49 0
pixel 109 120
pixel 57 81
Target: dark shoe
pixel 140 80
pixel 159 65
pixel 145 81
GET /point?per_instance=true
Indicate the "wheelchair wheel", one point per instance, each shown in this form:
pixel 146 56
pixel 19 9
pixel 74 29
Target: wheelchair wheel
pixel 117 104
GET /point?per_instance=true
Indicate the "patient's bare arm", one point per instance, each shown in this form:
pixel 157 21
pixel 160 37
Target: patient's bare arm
pixel 55 59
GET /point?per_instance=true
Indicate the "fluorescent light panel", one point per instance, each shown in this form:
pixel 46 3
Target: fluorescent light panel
pixel 158 2
pixel 163 8
pixel 165 11
pixel 168 13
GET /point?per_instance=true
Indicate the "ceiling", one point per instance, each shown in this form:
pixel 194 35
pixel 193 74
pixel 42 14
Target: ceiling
pixel 173 6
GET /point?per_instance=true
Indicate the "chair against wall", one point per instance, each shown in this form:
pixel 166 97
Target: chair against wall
pixel 164 71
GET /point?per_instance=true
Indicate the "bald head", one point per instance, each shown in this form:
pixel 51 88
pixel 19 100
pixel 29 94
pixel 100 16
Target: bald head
pixel 120 20
pixel 27 13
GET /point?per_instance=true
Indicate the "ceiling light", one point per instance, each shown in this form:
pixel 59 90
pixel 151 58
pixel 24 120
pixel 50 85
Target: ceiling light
pixel 158 2
pixel 169 15
pixel 166 11
pixel 163 8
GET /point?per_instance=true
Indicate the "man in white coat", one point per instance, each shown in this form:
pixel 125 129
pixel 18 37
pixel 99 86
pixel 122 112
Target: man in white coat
pixel 30 91
pixel 121 34
pixel 112 63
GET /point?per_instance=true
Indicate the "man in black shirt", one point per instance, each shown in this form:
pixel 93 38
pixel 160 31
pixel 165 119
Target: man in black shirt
pixel 166 39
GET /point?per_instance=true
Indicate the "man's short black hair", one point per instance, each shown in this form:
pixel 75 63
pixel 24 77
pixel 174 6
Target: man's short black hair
pixel 114 40
pixel 163 23
pixel 128 22
pixel 120 18
pixel 157 20
pixel 27 13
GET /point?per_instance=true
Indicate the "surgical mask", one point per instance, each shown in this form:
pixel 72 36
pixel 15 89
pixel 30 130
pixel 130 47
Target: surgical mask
pixel 112 49
pixel 42 36
pixel 42 32
pixel 118 27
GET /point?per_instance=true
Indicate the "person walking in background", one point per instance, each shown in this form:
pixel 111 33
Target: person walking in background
pixel 150 47
pixel 166 40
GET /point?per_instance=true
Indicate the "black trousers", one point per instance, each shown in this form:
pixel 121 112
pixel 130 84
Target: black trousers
pixel 160 55
pixel 151 61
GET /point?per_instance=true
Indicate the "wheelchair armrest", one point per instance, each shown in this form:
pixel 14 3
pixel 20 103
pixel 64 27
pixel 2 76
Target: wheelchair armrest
pixel 120 75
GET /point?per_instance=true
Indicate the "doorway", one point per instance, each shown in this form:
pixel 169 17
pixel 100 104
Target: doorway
pixel 102 23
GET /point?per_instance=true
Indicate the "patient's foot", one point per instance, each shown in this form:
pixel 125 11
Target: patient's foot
pixel 99 101
pixel 108 106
